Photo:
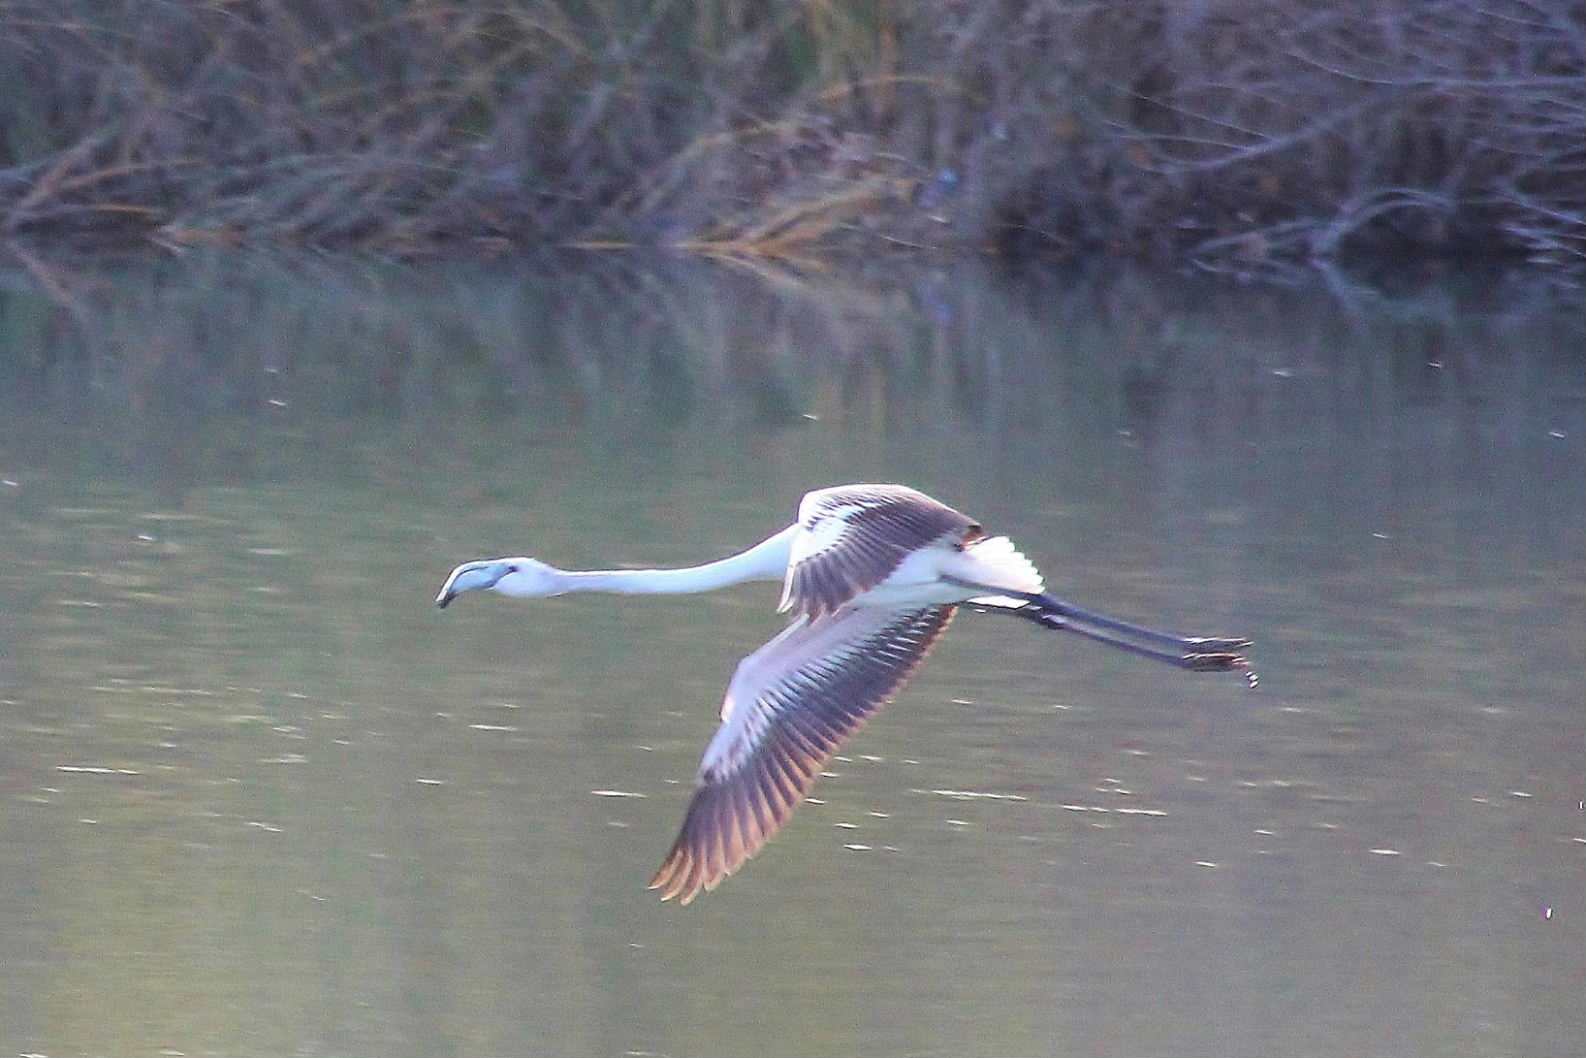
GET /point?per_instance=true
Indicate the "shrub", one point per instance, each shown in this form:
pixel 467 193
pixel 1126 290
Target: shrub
pixel 1238 132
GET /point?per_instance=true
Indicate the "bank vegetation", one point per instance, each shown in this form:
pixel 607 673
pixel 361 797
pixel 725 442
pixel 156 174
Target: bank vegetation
pixel 1239 134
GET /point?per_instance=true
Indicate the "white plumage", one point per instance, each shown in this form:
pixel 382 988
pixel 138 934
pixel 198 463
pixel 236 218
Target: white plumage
pixel 872 574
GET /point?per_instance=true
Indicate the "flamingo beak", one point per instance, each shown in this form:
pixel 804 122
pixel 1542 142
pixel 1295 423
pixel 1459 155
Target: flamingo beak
pixel 470 576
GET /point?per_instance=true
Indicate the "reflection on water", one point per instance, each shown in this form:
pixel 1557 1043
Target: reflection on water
pixel 257 795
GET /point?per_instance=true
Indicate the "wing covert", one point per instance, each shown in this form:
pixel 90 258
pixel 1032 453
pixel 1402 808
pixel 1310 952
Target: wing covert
pixel 855 536
pixel 790 705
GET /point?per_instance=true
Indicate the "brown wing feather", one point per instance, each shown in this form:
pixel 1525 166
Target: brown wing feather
pixel 791 704
pixel 856 535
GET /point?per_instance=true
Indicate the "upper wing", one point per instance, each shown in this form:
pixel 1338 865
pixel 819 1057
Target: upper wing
pixel 855 536
pixel 789 706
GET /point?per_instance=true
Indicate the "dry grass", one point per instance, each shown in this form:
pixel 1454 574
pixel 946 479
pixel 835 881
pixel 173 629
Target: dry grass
pixel 1243 134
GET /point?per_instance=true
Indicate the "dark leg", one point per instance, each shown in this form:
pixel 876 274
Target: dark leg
pixel 1217 644
pixel 1195 653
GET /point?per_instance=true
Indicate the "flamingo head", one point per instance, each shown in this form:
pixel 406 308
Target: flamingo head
pixel 510 576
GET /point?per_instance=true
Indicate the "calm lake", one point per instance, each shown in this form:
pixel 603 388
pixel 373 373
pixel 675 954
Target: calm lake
pixel 259 796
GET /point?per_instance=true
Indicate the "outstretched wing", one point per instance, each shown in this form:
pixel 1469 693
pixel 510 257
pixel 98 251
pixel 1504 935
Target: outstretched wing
pixel 855 536
pixel 789 706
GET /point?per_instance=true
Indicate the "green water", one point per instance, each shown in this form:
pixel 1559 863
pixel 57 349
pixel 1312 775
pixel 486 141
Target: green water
pixel 257 795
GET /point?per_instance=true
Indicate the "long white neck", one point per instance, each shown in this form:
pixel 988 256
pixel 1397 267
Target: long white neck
pixel 766 560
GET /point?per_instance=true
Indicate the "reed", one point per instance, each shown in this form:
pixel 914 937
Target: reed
pixel 1242 134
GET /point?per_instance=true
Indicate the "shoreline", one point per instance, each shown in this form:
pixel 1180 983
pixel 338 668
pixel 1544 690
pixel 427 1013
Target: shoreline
pixel 1242 138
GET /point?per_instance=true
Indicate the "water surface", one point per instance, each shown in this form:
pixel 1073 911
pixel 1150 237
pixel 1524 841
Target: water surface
pixel 257 795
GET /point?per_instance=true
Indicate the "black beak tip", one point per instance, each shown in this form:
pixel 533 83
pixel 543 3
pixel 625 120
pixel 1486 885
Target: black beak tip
pixel 442 600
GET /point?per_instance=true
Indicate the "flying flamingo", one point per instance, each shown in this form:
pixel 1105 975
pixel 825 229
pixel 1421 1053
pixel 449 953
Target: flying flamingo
pixel 871 575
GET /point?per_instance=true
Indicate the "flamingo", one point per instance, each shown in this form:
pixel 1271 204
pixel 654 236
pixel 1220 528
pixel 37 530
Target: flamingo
pixel 871 575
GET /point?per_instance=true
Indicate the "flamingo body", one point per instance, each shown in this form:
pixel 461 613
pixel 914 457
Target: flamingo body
pixel 871 575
